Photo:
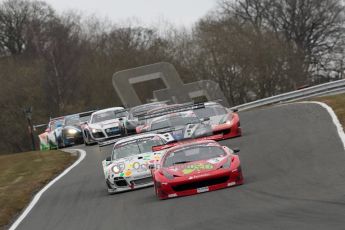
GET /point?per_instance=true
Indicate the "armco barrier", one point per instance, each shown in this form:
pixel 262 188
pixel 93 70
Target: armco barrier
pixel 318 90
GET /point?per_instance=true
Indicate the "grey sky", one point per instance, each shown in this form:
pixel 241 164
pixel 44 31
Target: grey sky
pixel 179 12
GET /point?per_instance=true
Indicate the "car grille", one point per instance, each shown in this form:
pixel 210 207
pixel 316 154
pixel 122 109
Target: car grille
pixel 113 131
pixel 71 136
pixel 142 181
pixel 98 135
pixel 200 184
pixel 120 182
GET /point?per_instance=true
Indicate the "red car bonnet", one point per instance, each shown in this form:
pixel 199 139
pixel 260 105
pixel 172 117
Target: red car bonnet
pixel 196 167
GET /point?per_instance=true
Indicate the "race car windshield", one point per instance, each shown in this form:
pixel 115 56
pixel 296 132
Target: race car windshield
pixel 173 122
pixel 193 153
pixel 210 111
pixel 85 118
pixel 109 115
pixel 136 147
pixel 72 121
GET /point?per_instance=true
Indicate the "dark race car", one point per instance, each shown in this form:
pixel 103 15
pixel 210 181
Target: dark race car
pixel 196 167
pixel 132 121
pixel 71 133
pixel 180 126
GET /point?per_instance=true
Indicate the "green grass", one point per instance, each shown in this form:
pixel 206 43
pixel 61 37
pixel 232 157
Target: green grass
pixel 23 174
pixel 337 102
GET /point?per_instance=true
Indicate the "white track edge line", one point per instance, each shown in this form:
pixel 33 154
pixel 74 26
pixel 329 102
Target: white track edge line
pixel 45 188
pixel 334 117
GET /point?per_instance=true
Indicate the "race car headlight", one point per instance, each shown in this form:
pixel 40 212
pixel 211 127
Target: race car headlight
pixel 96 130
pixel 225 121
pixel 228 122
pixel 116 169
pixel 72 131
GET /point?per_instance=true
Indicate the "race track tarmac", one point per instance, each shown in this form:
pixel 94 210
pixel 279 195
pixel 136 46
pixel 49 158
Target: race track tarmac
pixel 294 168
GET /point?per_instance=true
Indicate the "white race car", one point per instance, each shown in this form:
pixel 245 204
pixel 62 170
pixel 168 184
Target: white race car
pixel 128 166
pixel 104 125
pixel 53 133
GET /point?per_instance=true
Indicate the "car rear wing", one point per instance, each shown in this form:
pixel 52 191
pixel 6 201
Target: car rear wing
pixel 56 118
pixel 152 103
pixel 121 111
pixel 86 114
pixel 176 109
pixel 82 114
pixel 171 144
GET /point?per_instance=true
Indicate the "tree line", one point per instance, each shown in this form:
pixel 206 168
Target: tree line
pixel 63 63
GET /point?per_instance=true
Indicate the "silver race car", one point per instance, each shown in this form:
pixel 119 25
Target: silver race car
pixel 104 125
pixel 128 166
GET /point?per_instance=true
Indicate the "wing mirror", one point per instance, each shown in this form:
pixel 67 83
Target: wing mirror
pixel 108 159
pixel 151 166
pixel 236 150
pixel 234 110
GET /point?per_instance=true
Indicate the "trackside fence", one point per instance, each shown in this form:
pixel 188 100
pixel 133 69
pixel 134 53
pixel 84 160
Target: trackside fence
pixel 328 88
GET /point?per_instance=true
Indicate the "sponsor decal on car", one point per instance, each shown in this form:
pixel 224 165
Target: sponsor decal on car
pixel 197 176
pixel 197 167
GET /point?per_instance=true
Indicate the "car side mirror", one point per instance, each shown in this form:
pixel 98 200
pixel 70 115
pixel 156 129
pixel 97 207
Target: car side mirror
pixel 108 159
pixel 236 150
pixel 151 166
pixel 121 119
pixel 234 110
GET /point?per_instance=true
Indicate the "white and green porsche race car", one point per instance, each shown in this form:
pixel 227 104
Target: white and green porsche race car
pixel 128 166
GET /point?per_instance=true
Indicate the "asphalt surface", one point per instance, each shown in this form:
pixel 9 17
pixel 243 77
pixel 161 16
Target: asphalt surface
pixel 294 168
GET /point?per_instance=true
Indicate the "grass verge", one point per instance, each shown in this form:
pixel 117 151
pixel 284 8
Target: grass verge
pixel 337 102
pixel 23 174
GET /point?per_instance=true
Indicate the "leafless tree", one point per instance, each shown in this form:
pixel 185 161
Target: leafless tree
pixel 312 28
pixel 22 25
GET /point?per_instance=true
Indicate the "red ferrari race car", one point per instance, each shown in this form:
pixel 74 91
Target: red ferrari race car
pixel 224 121
pixel 196 167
